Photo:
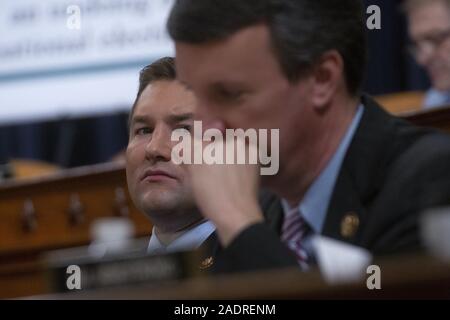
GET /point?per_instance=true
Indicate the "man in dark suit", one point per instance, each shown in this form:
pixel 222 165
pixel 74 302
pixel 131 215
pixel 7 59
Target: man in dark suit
pixel 348 170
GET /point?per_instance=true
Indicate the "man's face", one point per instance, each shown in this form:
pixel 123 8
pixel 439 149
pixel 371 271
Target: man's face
pixel 239 82
pixel 155 183
pixel 429 28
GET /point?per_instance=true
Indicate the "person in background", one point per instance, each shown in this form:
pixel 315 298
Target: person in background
pixel 429 30
pixel 157 186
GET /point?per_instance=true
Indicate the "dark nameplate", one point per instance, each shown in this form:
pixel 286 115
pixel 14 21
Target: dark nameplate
pixel 74 269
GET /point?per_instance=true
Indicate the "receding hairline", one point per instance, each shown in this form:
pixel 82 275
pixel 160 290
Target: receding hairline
pixel 154 82
pixel 159 70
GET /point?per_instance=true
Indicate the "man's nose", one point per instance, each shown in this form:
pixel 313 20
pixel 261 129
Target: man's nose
pixel 424 54
pixel 159 147
pixel 209 118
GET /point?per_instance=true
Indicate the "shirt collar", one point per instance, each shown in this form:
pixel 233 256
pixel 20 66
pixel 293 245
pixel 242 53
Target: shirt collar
pixel 314 205
pixel 436 98
pixel 189 240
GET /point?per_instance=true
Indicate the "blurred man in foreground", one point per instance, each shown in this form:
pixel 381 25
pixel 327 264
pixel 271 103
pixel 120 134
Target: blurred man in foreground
pixel 348 170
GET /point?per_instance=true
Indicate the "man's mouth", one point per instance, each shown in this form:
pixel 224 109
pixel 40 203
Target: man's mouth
pixel 153 175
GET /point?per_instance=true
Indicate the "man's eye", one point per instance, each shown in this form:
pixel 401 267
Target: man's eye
pixel 143 131
pixel 230 95
pixel 187 127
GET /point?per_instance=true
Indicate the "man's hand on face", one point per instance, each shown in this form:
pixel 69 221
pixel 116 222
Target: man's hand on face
pixel 227 194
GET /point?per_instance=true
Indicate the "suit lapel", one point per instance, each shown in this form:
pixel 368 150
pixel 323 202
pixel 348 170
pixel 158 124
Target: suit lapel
pixel 346 211
pixel 208 252
pixel 361 174
pixel 272 209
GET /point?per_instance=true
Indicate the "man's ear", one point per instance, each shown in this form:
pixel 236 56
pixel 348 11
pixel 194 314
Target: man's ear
pixel 327 77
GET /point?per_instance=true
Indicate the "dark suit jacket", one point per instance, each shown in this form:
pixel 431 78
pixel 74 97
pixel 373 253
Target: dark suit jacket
pixel 392 172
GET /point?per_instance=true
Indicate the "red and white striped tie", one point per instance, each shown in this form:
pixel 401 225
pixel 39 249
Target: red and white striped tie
pixel 294 231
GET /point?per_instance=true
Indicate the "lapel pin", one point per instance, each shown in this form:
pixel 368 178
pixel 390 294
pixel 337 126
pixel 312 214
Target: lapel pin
pixel 206 263
pixel 349 225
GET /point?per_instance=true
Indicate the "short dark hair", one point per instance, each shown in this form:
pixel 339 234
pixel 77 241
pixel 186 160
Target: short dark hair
pixel 301 30
pixel 161 69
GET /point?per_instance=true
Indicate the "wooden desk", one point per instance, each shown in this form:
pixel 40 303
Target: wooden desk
pixel 25 169
pixel 409 105
pixel 401 277
pixel 400 102
pixel 438 118
pixel 56 212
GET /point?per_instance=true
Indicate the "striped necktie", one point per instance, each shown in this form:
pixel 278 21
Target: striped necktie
pixel 294 230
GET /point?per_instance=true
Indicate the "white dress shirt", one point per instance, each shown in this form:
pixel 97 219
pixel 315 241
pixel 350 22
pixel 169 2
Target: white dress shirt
pixel 314 205
pixel 435 98
pixel 189 240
